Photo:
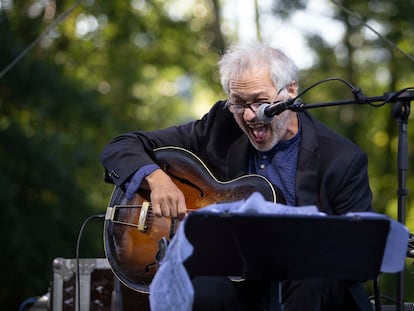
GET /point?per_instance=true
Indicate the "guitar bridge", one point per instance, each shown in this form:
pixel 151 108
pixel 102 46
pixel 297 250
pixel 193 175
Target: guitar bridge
pixel 143 216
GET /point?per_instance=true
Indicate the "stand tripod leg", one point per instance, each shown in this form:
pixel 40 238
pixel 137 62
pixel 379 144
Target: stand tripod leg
pixel 117 303
pixel 377 295
pixel 274 302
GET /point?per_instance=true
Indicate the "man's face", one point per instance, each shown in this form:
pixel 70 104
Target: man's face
pixel 256 87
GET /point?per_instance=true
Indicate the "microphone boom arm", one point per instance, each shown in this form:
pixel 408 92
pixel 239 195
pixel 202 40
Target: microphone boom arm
pixel 393 97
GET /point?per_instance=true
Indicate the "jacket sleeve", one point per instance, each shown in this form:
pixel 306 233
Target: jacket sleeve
pixel 353 192
pixel 126 153
pixel 332 170
pixel 344 179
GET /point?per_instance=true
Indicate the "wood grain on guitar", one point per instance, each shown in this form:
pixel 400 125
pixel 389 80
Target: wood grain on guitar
pixel 132 232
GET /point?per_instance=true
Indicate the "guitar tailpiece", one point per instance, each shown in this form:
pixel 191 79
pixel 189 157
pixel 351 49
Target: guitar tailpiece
pixel 162 248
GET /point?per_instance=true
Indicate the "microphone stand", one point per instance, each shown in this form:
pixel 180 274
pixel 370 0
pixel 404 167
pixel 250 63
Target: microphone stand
pixel 401 111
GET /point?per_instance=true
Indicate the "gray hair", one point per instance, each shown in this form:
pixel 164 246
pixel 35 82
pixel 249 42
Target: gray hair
pixel 241 58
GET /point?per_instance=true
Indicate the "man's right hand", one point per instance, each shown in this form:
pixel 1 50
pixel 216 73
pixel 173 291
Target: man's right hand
pixel 166 199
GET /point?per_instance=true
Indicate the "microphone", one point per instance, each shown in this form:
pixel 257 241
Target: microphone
pixel 267 112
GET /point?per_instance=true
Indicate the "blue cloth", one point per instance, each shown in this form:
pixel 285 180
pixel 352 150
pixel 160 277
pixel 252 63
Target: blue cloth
pixel 171 288
pixel 133 185
pixel 395 251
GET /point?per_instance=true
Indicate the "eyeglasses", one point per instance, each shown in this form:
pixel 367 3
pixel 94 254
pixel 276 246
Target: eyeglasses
pixel 238 108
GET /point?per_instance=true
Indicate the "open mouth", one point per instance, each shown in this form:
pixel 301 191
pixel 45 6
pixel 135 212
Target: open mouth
pixel 258 131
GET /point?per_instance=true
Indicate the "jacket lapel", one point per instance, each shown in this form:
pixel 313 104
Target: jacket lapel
pixel 238 157
pixel 307 184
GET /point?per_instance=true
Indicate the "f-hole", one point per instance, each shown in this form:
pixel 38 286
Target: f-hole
pixel 184 181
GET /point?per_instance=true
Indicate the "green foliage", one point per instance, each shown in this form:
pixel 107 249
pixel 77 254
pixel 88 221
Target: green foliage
pixel 133 65
pixel 369 62
pixel 115 66
pixel 43 208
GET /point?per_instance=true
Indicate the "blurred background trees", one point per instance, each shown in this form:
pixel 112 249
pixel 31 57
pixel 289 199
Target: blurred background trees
pixel 111 67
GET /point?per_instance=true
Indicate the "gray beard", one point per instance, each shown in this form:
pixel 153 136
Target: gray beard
pixel 278 127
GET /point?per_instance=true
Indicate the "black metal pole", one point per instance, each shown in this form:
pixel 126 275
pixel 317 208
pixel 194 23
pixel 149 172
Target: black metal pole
pixel 401 111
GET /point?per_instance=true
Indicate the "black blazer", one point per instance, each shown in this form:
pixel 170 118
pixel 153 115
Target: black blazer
pixel 331 170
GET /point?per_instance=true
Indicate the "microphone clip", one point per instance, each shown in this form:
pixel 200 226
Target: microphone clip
pixel 359 97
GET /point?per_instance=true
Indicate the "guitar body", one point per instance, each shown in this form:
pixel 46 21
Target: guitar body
pixel 131 231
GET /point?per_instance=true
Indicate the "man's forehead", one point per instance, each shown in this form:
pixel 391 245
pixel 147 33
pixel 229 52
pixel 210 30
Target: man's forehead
pixel 252 84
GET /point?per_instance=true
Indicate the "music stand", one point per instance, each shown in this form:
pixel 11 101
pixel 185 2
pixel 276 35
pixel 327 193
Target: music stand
pixel 282 247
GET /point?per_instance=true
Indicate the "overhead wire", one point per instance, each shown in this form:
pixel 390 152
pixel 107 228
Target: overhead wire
pixel 60 18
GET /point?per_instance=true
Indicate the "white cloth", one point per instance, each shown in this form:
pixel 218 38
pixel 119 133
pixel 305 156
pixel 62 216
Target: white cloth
pixel 171 288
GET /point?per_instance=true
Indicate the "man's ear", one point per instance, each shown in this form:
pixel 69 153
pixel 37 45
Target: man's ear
pixel 292 88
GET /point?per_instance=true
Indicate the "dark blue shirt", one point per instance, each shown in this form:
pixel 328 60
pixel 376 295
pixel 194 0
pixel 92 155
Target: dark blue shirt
pixel 278 165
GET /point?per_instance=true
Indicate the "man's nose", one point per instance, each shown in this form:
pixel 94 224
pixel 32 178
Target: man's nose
pixel 248 113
